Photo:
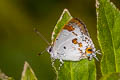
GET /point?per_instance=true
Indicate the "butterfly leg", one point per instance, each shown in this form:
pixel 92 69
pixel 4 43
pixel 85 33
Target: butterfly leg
pixel 98 52
pixel 93 55
pixel 53 61
pixel 61 63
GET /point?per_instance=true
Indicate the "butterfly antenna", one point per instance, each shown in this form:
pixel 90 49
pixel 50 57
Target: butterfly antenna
pixel 41 52
pixel 41 36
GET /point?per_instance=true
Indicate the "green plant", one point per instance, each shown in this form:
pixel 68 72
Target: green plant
pixel 108 22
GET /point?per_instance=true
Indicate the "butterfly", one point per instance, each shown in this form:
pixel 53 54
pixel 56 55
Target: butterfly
pixel 73 43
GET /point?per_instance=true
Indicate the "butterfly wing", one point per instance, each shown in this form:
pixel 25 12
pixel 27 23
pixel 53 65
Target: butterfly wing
pixel 70 43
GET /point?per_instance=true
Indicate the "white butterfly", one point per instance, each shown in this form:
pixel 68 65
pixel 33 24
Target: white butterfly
pixel 73 43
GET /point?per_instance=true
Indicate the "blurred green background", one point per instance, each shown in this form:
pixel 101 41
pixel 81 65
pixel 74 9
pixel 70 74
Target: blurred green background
pixel 18 41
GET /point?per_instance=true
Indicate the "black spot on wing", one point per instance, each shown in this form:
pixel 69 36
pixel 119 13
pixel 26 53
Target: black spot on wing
pixel 64 47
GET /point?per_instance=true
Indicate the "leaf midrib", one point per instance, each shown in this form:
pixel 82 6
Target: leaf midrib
pixel 71 74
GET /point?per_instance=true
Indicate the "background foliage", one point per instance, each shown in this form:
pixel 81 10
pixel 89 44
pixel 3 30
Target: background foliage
pixel 18 41
pixel 108 22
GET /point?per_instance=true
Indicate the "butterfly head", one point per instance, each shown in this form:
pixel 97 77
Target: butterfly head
pixel 49 49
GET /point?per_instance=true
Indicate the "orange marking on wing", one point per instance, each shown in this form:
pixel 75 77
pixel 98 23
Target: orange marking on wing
pixel 69 28
pixel 79 49
pixel 80 25
pixel 89 50
pixel 80 44
pixel 74 41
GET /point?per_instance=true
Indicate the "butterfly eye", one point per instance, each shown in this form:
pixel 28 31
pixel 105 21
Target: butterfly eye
pixel 50 49
pixel 89 50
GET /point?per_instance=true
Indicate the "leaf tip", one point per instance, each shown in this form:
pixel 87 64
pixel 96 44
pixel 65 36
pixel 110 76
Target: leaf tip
pixel 65 16
pixel 26 65
pixel 65 11
pixel 28 72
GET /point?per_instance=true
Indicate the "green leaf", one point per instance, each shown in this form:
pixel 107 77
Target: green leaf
pixel 28 73
pixel 80 70
pixel 4 77
pixel 108 25
pixel 112 76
